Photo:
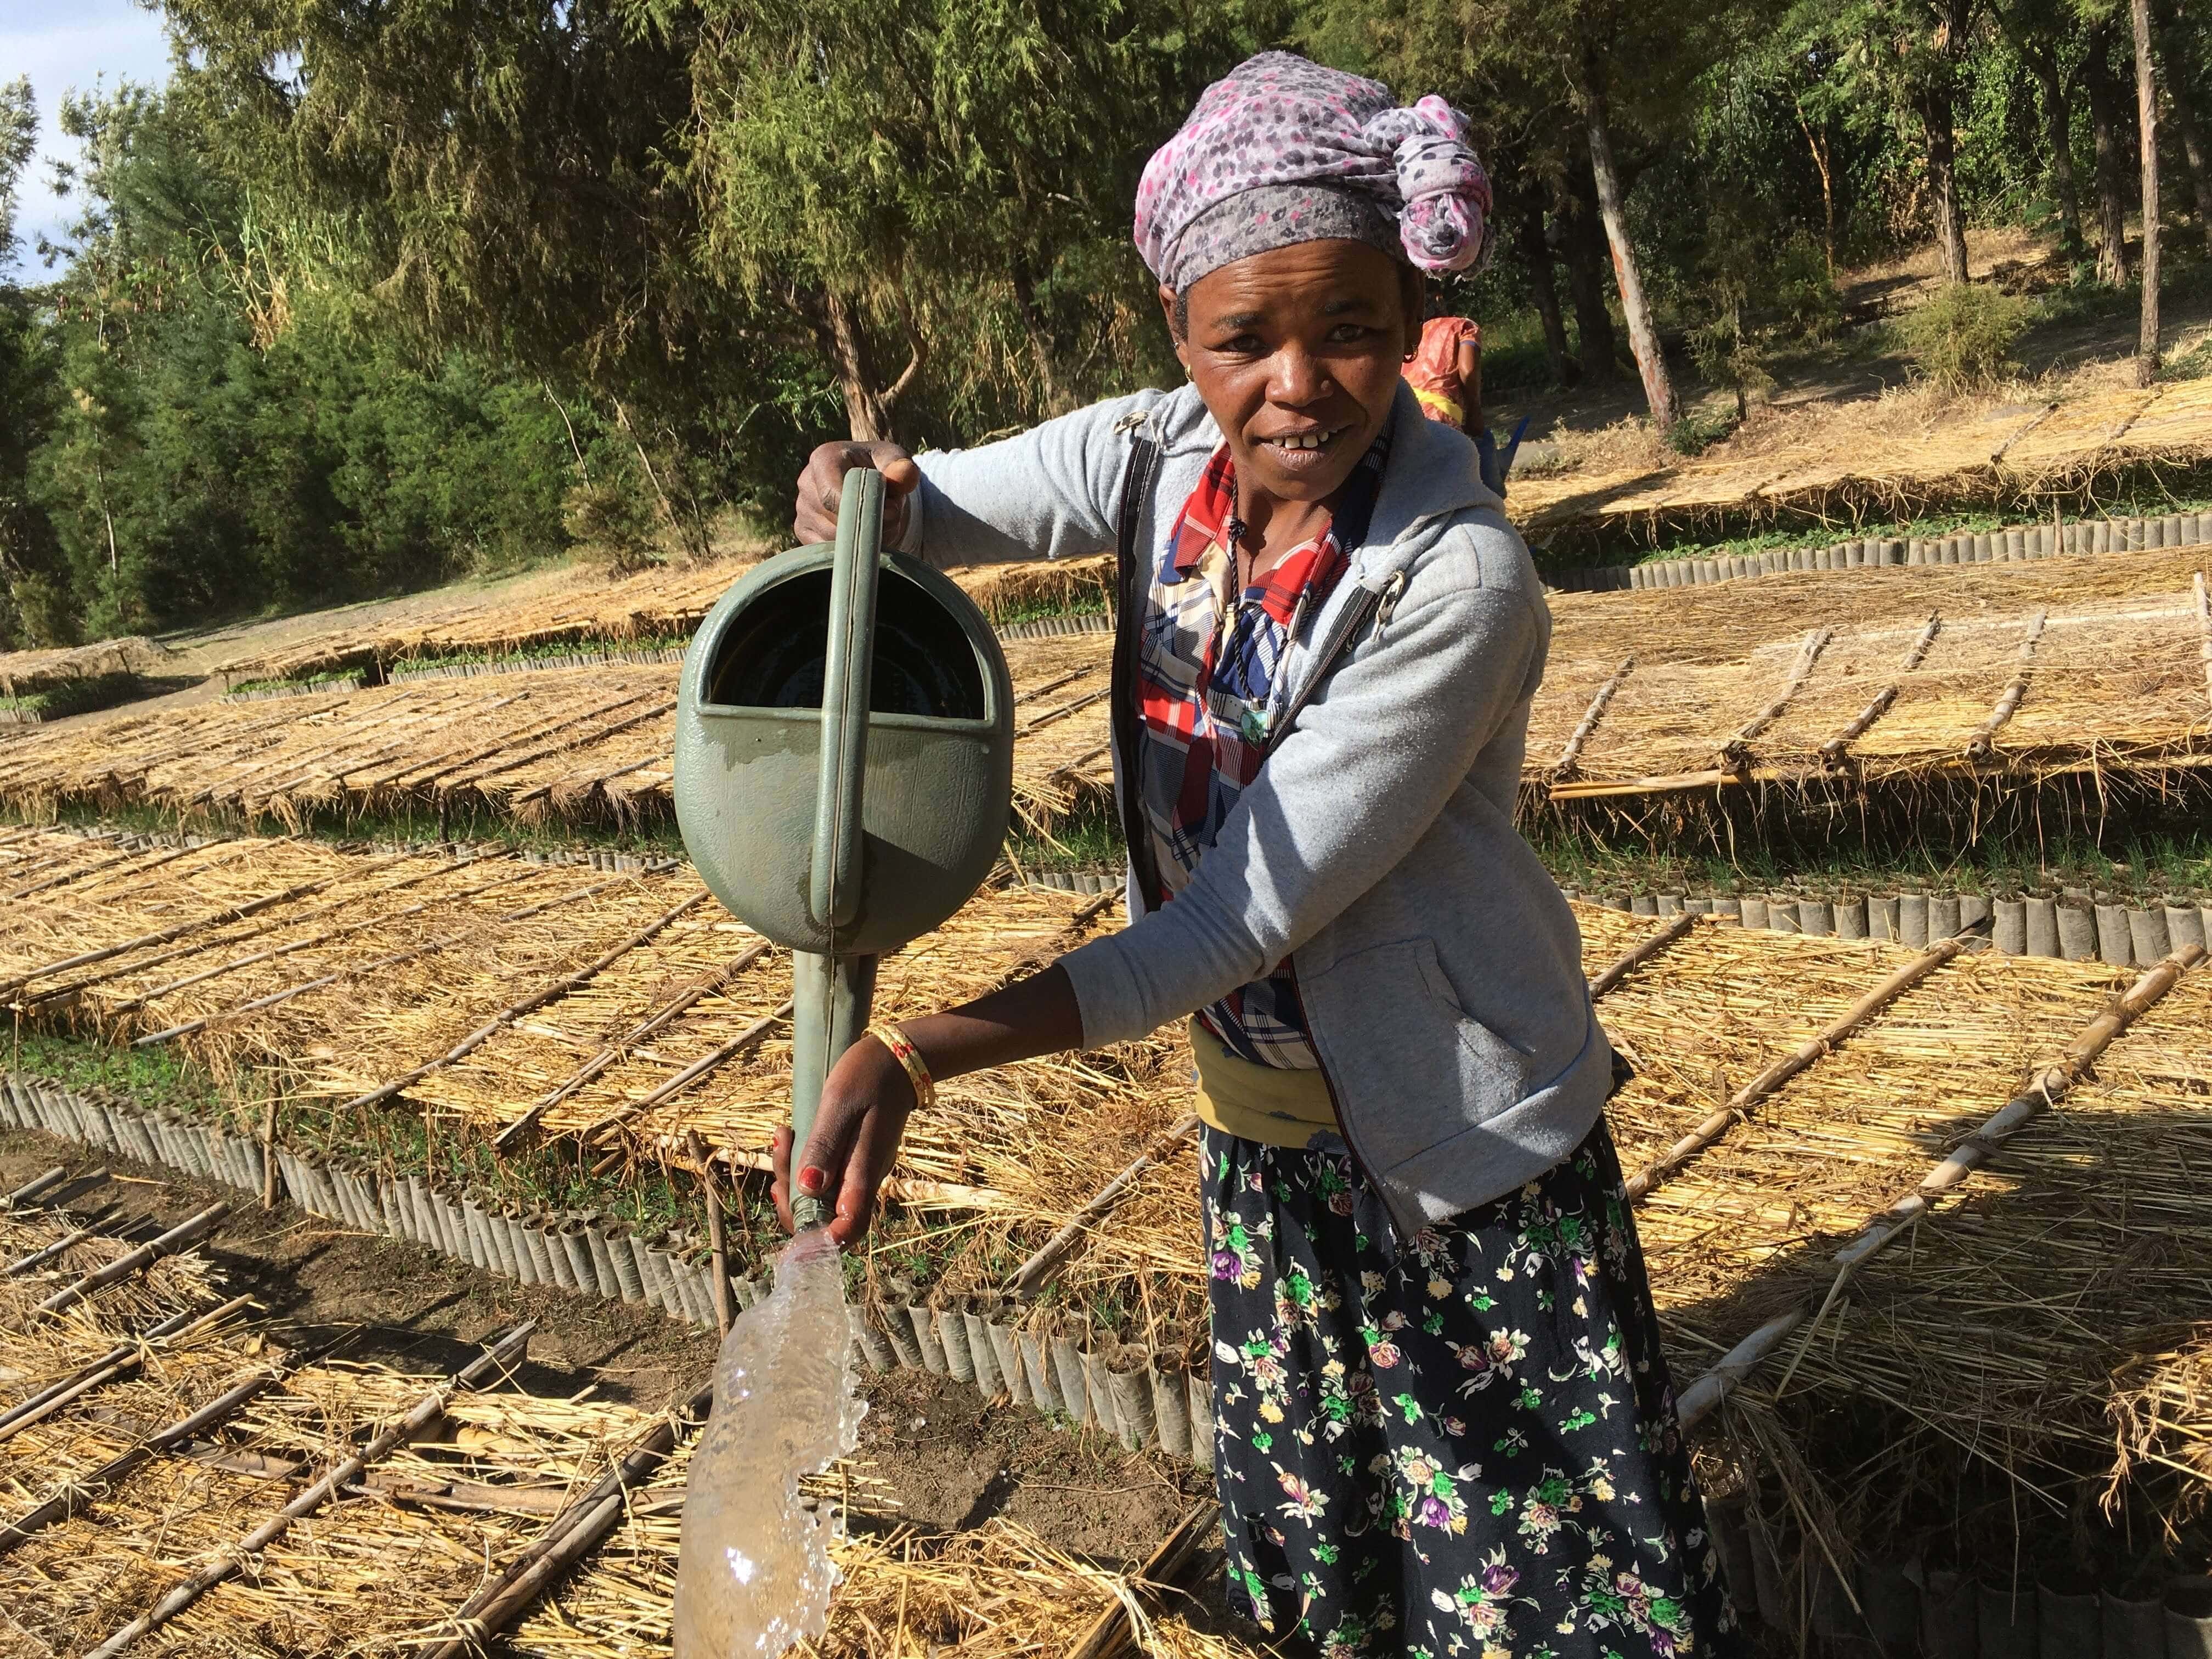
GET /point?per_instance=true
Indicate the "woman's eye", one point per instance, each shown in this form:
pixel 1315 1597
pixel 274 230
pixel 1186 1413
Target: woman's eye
pixel 1349 333
pixel 1244 346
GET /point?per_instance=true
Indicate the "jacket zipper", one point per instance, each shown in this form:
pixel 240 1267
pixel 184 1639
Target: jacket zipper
pixel 1335 1103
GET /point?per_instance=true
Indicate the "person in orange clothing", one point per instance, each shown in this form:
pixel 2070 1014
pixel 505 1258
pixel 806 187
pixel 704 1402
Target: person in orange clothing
pixel 1446 372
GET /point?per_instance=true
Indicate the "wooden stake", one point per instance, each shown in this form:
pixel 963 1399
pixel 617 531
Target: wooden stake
pixel 712 1191
pixel 426 1412
pixel 2204 631
pixel 269 1169
pixel 1795 1061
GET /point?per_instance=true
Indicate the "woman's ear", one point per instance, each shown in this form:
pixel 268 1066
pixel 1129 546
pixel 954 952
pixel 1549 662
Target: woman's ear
pixel 1178 318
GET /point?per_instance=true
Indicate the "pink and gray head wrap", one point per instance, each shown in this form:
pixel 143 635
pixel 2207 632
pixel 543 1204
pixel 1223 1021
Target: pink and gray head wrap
pixel 1281 150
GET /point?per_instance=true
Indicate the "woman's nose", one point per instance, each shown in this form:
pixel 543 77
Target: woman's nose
pixel 1295 377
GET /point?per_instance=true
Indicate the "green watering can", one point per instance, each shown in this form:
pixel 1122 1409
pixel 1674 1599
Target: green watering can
pixel 844 768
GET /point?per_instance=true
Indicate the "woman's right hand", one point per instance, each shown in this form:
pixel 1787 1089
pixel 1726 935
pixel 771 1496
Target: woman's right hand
pixel 822 487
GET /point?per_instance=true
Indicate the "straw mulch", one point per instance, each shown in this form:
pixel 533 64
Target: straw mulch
pixel 2055 1326
pixel 22 671
pixel 567 743
pixel 2117 681
pixel 2011 450
pixel 996 1591
pixel 668 600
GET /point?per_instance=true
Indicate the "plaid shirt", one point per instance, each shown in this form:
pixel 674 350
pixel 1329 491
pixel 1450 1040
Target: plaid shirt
pixel 1208 695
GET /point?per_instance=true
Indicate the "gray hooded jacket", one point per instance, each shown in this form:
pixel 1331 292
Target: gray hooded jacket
pixel 1440 968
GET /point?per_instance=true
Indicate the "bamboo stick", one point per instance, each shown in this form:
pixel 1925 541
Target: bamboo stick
pixel 38 1259
pixel 1565 766
pixel 426 1411
pixel 566 1540
pixel 537 999
pixel 711 1189
pixel 1055 682
pixel 1109 1632
pixel 1631 961
pixel 2043 1091
pixel 218 919
pixel 428 771
pixel 1735 750
pixel 529 757
pixel 1813 1048
pixel 1833 749
pixel 2204 631
pixel 180 1237
pixel 1062 712
pixel 1983 741
pixel 69 877
pixel 75 986
pixel 1039 1270
pixel 123 1356
pixel 613 1052
pixel 78 1493
pixel 690 1075
pixel 32 1190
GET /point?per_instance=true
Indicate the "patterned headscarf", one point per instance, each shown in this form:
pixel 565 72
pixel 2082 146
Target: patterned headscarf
pixel 1281 150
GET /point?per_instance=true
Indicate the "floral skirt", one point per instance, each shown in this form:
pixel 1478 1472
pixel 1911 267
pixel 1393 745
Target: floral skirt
pixel 1467 1445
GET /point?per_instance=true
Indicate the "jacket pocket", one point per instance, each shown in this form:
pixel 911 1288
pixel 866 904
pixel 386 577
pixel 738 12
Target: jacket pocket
pixel 1412 1069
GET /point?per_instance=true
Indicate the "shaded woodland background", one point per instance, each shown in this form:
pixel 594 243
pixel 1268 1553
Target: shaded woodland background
pixel 373 295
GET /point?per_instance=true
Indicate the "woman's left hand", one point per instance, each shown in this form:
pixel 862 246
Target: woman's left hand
pixel 854 1142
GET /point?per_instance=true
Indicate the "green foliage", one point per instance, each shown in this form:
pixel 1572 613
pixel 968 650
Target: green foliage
pixel 77 696
pixel 1963 337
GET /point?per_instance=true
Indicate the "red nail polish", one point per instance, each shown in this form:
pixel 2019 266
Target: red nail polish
pixel 811 1181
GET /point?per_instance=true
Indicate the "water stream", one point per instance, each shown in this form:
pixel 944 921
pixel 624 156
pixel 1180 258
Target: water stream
pixel 754 1574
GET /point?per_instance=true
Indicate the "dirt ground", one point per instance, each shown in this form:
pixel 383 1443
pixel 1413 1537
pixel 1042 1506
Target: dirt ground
pixel 946 1457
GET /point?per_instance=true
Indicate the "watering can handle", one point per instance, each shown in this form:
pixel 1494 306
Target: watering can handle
pixel 834 890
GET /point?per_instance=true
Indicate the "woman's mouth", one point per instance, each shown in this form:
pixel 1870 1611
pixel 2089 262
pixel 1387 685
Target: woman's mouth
pixel 1298 450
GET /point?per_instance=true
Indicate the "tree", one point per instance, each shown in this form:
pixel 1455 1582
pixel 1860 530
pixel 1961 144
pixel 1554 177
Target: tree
pixel 2040 31
pixel 2147 124
pixel 2104 121
pixel 2181 50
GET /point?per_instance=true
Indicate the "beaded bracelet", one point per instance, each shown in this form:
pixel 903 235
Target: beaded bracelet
pixel 910 1062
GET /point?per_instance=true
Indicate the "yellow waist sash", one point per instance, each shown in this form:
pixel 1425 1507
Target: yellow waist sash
pixel 1266 1104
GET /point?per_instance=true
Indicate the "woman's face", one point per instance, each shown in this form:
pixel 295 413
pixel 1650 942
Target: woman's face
pixel 1296 353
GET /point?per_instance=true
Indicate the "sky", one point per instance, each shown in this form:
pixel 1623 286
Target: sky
pixel 65 45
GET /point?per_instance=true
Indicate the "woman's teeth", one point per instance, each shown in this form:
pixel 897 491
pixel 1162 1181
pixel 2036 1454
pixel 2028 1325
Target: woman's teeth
pixel 1305 439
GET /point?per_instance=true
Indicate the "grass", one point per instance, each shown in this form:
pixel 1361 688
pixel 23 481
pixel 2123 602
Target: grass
pixel 552 1177
pixel 2146 868
pixel 78 696
pixel 539 653
pixel 345 679
pixel 2146 492
pixel 654 837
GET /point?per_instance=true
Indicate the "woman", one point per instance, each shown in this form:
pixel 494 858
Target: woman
pixel 1444 1424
